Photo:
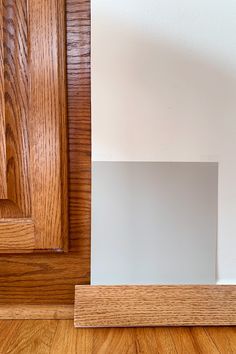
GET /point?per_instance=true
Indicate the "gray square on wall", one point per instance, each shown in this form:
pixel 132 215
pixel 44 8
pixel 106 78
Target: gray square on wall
pixel 154 223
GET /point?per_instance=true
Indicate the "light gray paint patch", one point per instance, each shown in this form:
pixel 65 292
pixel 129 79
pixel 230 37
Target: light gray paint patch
pixel 154 223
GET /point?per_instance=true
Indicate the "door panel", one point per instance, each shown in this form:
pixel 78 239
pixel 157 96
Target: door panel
pixel 33 149
pixel 17 234
pixel 50 278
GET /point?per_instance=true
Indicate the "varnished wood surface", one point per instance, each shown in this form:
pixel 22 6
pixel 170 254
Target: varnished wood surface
pixel 51 278
pixel 33 128
pixel 47 121
pixel 60 337
pixel 16 94
pixel 153 305
pixel 3 166
pixel 79 125
pixel 23 231
pixel 36 312
pixel 41 278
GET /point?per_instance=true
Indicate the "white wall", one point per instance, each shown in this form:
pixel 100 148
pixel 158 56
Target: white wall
pixel 164 89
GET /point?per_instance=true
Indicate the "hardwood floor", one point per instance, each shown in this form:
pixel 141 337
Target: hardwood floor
pixel 60 337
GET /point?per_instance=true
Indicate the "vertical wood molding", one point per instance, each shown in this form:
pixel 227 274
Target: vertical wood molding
pixel 16 75
pixel 3 167
pixel 47 121
pixel 62 61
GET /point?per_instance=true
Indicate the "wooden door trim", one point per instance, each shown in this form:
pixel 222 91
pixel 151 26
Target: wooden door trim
pixel 36 312
pixel 50 278
pixel 154 305
pixel 33 124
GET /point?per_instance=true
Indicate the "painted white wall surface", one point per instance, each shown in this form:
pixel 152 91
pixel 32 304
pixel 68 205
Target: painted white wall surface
pixel 164 89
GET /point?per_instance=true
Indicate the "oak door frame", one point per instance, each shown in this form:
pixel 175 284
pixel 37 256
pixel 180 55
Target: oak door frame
pixel 33 131
pixel 38 281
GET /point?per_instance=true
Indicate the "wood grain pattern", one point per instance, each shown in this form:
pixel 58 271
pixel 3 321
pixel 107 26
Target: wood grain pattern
pixel 36 312
pixel 16 90
pixel 63 122
pixel 33 123
pixel 47 121
pixel 23 231
pixel 3 165
pixel 51 278
pixel 79 124
pixel 59 337
pixel 140 306
pixel 41 278
pixel 224 340
pixel 28 337
pixel 9 209
pixel 201 340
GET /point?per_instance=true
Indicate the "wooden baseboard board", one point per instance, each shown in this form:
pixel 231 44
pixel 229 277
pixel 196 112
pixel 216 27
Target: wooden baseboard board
pixel 140 306
pixel 36 312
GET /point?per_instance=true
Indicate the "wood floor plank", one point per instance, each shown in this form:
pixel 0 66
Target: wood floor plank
pixel 65 339
pixel 84 340
pixel 27 337
pixel 114 340
pixel 7 332
pixel 203 341
pixel 154 340
pixel 60 337
pixel 183 340
pixel 224 338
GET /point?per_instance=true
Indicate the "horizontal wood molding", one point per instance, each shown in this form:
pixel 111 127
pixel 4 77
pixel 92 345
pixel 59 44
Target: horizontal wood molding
pixel 36 312
pixel 17 235
pixel 140 306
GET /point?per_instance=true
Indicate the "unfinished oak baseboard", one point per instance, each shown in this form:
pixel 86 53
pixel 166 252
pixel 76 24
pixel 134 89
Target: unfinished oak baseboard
pixel 140 306
pixel 36 312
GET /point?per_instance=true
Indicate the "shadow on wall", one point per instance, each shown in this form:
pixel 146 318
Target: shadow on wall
pixel 158 94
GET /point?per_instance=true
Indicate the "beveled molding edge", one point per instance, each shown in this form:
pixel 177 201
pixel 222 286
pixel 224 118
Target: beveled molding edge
pixel 36 312
pixel 154 305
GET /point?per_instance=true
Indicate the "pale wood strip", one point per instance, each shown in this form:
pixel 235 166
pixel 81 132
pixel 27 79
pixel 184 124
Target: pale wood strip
pixel 3 183
pixel 16 234
pixel 140 306
pixel 47 118
pixel 36 312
